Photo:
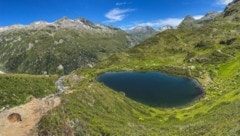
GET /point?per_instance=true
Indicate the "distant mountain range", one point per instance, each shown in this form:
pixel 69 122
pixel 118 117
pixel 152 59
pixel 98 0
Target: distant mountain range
pixel 43 47
pixel 190 22
pixel 141 33
pixel 68 44
pixel 65 22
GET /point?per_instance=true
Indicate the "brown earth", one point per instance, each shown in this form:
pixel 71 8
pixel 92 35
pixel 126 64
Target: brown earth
pixel 30 114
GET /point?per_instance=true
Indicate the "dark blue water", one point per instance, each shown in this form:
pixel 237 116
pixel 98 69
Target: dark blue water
pixel 153 88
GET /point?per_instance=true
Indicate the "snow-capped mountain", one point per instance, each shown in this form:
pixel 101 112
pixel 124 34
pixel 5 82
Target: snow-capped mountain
pixel 65 22
pixel 166 27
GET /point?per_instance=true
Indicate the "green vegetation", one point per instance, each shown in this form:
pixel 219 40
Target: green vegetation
pixel 16 89
pixel 209 53
pixel 94 109
pixel 37 51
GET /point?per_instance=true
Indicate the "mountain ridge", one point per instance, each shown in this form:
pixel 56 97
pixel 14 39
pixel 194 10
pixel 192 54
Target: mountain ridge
pixel 142 33
pixel 191 22
pixel 64 22
pixel 42 47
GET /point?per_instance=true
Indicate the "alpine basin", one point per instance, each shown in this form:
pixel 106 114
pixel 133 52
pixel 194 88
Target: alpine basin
pixel 153 88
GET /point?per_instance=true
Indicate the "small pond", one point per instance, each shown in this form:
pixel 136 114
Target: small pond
pixel 153 88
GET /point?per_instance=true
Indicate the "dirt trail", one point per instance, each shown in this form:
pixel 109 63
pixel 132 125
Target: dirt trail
pixel 31 113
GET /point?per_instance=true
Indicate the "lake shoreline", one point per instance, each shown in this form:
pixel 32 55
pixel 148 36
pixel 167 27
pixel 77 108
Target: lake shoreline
pixel 136 85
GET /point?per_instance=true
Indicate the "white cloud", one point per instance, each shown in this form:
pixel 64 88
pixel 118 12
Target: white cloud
pixel 171 21
pixel 121 3
pixel 224 2
pixel 161 22
pixel 198 16
pixel 117 14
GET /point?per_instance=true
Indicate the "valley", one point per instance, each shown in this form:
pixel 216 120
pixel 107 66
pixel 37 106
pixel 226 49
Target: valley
pixel 49 73
pixel 195 53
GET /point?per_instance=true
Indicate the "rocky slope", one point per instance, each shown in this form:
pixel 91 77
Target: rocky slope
pixel 58 47
pixel 190 22
pixel 166 27
pixel 141 33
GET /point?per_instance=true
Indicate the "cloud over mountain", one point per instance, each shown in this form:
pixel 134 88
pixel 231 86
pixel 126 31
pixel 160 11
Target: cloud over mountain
pixel 224 2
pixel 117 14
pixel 161 22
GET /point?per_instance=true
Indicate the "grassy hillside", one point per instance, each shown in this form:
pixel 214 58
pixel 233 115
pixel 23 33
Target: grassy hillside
pixel 97 110
pixel 59 50
pixel 16 89
pixel 210 54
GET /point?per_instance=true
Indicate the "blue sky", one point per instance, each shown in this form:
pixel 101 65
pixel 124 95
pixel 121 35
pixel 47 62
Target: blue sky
pixel 119 13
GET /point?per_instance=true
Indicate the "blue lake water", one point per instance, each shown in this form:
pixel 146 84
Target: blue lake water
pixel 153 88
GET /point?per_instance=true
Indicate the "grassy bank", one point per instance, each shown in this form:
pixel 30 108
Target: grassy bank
pixel 95 109
pixel 16 89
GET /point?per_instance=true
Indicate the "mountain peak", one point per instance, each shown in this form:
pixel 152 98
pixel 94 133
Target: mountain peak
pixel 233 9
pixel 187 22
pixel 12 27
pixel 80 23
pixel 64 22
pixel 210 16
pixel 63 19
pixel 188 18
pixel 142 33
pixel 142 28
pixel 85 21
pixel 40 22
pixel 166 27
pixel 211 13
pixel 190 22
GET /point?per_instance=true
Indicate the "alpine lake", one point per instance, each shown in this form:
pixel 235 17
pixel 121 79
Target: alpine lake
pixel 154 88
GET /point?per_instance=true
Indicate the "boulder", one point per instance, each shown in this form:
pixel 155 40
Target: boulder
pixel 14 117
